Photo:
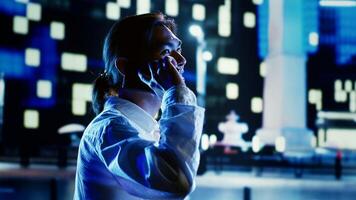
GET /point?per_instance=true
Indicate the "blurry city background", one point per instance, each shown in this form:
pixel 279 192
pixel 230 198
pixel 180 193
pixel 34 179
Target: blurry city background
pixel 277 79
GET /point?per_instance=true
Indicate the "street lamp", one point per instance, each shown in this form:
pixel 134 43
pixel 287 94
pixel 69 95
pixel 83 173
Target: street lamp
pixel 197 32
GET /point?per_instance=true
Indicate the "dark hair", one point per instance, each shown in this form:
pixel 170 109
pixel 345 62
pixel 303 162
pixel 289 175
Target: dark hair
pixel 129 38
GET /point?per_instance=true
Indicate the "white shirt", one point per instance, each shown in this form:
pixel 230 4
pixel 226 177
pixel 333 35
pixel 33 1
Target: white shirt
pixel 125 154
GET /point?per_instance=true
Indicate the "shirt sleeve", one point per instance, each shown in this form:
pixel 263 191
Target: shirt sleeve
pixel 163 171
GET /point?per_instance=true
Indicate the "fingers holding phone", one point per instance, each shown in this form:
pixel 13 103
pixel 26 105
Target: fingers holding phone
pixel 170 73
pixel 160 75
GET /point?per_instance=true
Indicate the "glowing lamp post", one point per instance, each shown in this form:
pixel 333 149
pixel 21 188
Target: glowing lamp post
pixel 201 58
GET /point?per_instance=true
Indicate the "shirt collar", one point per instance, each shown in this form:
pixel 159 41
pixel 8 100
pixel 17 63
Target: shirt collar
pixel 133 112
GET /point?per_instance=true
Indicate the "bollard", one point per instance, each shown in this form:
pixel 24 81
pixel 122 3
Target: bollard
pixel 246 193
pixel 338 165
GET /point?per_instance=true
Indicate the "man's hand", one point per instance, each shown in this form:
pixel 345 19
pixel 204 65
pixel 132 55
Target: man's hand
pixel 162 75
pixel 169 73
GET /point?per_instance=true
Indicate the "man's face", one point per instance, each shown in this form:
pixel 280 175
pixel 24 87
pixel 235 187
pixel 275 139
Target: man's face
pixel 165 43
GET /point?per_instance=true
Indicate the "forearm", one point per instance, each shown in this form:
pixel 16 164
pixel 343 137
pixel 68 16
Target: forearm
pixel 181 126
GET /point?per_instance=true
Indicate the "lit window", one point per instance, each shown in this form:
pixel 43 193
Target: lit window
pixel 228 66
pixel 112 11
pixel 82 91
pixel 313 39
pixel 343 138
pixel 352 102
pixel 337 3
pixel 172 7
pixel 81 94
pixel 22 1
pixel 57 30
pixel 257 2
pixel 213 139
pixel 263 69
pixel 143 6
pixel 232 91
pixel 249 20
pixel 44 89
pixel 32 57
pixel 2 90
pixel 224 21
pixel 31 119
pixel 256 144
pixel 315 97
pixel 256 105
pixel 340 96
pixel 34 11
pixel 74 62
pixel 198 12
pixel 348 85
pixel 205 142
pixel 321 137
pixel 124 3
pixel 20 25
pixel 312 96
pixel 224 29
pixel 338 85
pixel 79 107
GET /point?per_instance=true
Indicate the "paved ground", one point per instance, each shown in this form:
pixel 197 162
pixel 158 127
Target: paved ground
pixel 230 186
pixel 48 182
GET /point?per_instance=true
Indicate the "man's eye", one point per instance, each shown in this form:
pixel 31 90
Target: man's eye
pixel 165 52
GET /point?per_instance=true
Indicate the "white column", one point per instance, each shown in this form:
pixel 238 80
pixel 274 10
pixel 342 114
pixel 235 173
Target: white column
pixel 285 81
pixel 201 73
pixel 2 103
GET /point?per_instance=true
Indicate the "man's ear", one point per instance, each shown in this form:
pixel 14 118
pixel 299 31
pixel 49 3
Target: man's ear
pixel 121 64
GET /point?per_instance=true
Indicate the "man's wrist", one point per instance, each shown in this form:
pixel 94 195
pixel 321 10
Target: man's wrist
pixel 178 94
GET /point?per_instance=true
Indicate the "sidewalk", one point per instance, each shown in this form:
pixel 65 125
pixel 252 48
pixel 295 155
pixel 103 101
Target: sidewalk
pixel 229 186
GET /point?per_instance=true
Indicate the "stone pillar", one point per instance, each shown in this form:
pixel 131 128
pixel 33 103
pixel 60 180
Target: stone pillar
pixel 285 92
pixel 2 104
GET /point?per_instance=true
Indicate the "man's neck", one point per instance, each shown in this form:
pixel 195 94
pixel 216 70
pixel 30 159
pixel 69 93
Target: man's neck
pixel 148 101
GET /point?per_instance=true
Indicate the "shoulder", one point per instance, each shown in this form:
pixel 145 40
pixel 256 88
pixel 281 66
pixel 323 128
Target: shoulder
pixel 106 120
pixel 109 125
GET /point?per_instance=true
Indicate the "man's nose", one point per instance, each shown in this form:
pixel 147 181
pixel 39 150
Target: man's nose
pixel 181 61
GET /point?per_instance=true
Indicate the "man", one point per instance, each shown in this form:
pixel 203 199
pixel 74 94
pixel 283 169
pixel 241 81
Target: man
pixel 124 152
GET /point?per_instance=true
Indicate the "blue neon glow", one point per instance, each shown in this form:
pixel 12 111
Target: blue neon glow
pixel 47 69
pixel 345 33
pixel 262 23
pixel 309 24
pixel 12 63
pixel 11 7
